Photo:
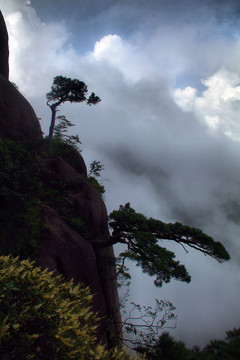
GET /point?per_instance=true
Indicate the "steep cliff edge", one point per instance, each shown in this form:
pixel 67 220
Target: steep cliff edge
pixel 4 52
pixel 75 216
pixel 48 210
pixel 18 120
pixel 50 213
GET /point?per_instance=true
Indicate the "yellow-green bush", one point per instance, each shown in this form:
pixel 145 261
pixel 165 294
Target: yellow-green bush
pixel 43 317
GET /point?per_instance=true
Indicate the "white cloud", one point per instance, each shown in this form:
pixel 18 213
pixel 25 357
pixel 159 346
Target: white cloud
pixel 109 46
pixel 124 56
pixel 219 104
pixel 185 98
pixel 37 50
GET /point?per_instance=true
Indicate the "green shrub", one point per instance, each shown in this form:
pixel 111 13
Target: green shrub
pixel 23 190
pixel 95 184
pixel 20 189
pixel 58 146
pixel 42 317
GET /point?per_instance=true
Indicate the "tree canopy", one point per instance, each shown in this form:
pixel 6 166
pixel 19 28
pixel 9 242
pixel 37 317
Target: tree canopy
pixel 142 234
pixel 167 348
pixel 66 89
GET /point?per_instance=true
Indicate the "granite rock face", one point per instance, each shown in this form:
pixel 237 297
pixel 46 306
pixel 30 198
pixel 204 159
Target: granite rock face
pixel 66 252
pixel 4 52
pixel 18 120
pixel 71 252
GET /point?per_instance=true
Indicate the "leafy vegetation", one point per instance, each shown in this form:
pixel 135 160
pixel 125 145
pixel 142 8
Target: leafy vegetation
pixel 95 184
pixel 60 131
pixel 23 191
pixel 95 168
pixel 141 235
pixel 95 172
pixel 68 147
pixel 66 89
pixel 58 146
pixel 19 199
pixel 167 348
pixel 43 317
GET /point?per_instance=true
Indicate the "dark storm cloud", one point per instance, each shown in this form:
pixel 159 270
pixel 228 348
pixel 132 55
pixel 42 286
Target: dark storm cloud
pixel 93 19
pixel 48 8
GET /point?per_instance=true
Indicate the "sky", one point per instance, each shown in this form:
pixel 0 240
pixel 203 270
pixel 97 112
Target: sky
pixel 167 129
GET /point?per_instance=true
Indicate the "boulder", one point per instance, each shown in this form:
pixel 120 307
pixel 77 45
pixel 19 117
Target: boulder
pixel 18 120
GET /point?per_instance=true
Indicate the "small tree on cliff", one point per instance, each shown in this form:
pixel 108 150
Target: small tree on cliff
pixel 66 89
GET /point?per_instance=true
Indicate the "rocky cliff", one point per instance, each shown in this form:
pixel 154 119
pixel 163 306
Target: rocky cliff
pixel 75 217
pixel 4 52
pixel 67 213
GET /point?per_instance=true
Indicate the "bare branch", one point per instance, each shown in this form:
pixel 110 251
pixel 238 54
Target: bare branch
pixel 145 323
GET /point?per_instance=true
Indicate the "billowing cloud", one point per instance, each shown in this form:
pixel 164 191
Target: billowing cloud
pixel 124 56
pixel 36 49
pixel 218 105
